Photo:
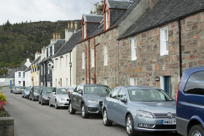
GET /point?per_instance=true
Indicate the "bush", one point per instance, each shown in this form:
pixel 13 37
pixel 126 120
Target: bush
pixel 2 97
pixel 2 100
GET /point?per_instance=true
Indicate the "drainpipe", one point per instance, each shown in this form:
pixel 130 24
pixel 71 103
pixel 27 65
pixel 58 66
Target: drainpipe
pixel 180 49
pixel 70 65
pixel 94 61
pixel 89 73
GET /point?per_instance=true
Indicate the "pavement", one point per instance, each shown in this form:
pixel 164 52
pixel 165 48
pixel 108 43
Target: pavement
pixel 32 119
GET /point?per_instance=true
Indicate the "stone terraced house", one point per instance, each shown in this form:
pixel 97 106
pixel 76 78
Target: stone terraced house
pixel 141 42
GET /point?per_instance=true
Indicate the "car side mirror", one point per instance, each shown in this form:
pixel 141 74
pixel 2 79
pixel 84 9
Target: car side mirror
pixel 80 92
pixel 124 100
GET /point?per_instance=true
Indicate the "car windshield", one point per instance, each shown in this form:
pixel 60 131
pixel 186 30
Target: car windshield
pixel 61 91
pixel 36 89
pixel 148 95
pixel 48 90
pixel 98 90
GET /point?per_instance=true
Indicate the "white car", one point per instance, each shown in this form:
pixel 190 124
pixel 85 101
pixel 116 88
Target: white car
pixel 59 98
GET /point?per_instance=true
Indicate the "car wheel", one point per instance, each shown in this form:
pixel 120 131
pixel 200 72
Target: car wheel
pixel 129 125
pixel 42 102
pixel 106 121
pixel 196 130
pixel 71 110
pixel 56 105
pixel 50 105
pixel 84 113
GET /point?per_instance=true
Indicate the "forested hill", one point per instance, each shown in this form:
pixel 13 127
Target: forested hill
pixel 20 41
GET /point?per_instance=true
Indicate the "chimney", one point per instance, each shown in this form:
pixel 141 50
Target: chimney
pixel 58 36
pixel 54 36
pixel 69 31
pixel 72 25
pixel 76 26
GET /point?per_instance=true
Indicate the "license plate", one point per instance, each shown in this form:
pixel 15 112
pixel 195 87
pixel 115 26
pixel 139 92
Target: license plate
pixel 169 122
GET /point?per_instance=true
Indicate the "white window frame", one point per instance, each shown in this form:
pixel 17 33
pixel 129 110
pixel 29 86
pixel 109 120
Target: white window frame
pixel 83 60
pixel 164 38
pixel 133 81
pixel 133 44
pixel 92 58
pixel 105 52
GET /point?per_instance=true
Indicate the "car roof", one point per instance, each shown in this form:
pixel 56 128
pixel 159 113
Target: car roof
pixel 186 74
pixel 139 87
pixel 93 85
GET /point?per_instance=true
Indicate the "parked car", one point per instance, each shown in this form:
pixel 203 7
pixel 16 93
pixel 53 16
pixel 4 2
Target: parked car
pixel 59 98
pixel 190 103
pixel 12 88
pixel 35 92
pixel 140 109
pixel 45 95
pixel 26 92
pixel 88 99
pixel 70 90
pixel 18 90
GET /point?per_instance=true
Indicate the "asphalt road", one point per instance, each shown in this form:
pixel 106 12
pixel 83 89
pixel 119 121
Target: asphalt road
pixel 32 119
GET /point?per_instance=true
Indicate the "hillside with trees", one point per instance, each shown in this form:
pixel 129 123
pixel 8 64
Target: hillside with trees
pixel 21 41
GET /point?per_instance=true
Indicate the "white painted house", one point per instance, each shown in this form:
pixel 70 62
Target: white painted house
pixel 28 77
pixel 64 70
pixel 19 75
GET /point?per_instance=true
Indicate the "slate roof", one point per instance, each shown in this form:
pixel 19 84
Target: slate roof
pixel 92 18
pixel 22 67
pixel 69 45
pixel 116 4
pixel 165 11
pixel 58 44
pixel 35 61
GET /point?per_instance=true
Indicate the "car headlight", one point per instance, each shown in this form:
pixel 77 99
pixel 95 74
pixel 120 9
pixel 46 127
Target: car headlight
pixel 144 114
pixel 92 101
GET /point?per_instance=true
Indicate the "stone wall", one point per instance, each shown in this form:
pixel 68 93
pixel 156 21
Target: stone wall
pixel 6 126
pixel 149 65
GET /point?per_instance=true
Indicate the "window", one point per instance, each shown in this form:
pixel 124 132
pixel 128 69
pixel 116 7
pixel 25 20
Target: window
pixel 165 84
pixel 195 84
pixel 19 74
pixel 133 81
pixel 105 82
pixel 133 49
pixel 164 41
pixel 66 61
pixel 60 82
pixel 92 58
pixel 83 60
pixel 23 74
pixel 66 81
pixel 51 51
pixel 105 56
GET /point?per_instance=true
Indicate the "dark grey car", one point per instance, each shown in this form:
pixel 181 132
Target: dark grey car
pixel 45 95
pixel 88 99
pixel 35 92
pixel 140 109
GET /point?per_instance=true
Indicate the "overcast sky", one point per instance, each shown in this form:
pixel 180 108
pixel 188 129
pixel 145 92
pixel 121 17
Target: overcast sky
pixel 43 10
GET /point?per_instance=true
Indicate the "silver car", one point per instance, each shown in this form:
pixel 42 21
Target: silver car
pixel 140 109
pixel 59 98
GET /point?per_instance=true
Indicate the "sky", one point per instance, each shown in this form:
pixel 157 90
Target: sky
pixel 17 11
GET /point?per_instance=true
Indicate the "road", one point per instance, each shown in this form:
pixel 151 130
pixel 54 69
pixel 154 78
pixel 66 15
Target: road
pixel 32 119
